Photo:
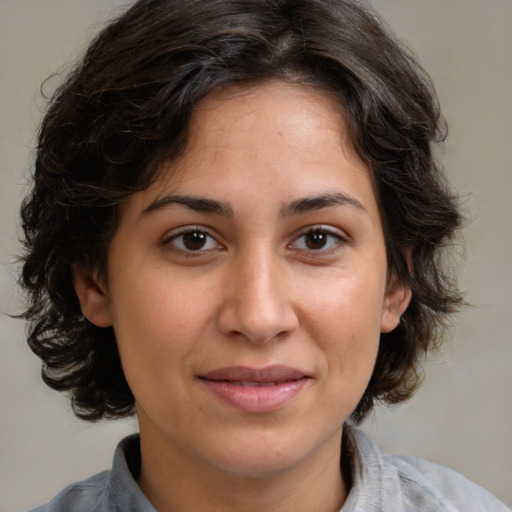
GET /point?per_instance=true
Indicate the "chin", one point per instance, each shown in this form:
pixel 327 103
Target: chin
pixel 260 466
pixel 266 455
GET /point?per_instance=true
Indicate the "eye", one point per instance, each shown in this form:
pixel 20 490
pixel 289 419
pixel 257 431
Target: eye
pixel 192 240
pixel 317 239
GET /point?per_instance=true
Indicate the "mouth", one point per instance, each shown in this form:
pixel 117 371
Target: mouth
pixel 255 390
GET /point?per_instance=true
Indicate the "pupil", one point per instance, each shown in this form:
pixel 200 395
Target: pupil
pixel 195 240
pixel 316 240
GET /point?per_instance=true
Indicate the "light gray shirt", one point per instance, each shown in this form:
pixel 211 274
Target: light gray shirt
pixel 380 483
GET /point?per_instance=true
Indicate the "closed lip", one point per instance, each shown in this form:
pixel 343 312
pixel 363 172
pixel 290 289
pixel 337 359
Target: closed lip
pixel 255 390
pixel 274 373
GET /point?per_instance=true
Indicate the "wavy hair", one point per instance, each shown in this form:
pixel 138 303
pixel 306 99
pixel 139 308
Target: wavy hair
pixel 125 108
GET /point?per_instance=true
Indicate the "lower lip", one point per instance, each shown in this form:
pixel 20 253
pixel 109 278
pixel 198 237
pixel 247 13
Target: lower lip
pixel 257 398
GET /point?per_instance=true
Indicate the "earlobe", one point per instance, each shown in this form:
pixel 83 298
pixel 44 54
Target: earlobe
pixel 92 296
pixel 397 300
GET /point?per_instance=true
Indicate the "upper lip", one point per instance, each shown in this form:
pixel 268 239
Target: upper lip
pixel 275 373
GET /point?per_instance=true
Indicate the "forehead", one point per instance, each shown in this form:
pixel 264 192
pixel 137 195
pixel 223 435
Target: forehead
pixel 273 117
pixel 265 137
pixel 293 111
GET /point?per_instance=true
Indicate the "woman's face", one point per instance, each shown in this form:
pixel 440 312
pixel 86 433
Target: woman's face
pixel 248 287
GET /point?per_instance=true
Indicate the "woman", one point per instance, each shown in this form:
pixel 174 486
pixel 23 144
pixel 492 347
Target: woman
pixel 235 232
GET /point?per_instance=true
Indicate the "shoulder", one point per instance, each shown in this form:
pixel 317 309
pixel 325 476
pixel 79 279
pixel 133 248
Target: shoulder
pixel 115 490
pixel 84 496
pixel 442 485
pixel 409 484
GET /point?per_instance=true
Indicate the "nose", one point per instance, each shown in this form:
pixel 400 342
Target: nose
pixel 256 302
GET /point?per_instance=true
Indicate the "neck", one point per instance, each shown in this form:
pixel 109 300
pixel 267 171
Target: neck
pixel 314 484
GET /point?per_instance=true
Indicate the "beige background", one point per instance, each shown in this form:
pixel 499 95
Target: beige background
pixel 462 417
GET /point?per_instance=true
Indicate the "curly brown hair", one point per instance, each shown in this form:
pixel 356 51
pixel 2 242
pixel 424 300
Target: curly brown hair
pixel 126 107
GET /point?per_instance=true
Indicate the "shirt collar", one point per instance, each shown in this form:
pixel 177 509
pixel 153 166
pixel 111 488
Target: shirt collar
pixel 370 489
pixel 124 493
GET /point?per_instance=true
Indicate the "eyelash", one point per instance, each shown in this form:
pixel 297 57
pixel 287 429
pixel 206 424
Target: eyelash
pixel 337 240
pixel 332 238
pixel 193 230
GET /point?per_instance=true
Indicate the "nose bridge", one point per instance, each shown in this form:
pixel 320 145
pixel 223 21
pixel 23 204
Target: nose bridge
pixel 259 282
pixel 257 303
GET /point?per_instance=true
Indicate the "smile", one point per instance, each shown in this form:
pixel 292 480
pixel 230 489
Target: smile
pixel 255 390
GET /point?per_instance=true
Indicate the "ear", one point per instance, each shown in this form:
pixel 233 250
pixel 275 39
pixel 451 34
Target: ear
pixel 92 296
pixel 398 296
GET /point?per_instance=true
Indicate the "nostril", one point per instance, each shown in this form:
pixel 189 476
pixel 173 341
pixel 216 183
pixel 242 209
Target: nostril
pixel 256 328
pixel 255 305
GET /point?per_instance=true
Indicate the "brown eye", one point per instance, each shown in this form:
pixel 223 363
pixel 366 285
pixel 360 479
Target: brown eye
pixel 193 240
pixel 316 240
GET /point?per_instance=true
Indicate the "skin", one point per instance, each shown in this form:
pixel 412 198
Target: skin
pixel 261 291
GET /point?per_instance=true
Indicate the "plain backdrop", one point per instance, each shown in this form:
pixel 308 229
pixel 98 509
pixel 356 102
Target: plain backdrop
pixel 462 416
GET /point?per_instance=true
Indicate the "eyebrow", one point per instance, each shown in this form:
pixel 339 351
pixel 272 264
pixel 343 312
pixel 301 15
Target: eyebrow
pixel 307 204
pixel 198 204
pixel 296 207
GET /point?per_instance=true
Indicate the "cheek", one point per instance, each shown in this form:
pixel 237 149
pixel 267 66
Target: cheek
pixel 160 303
pixel 158 325
pixel 344 319
pixel 351 302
